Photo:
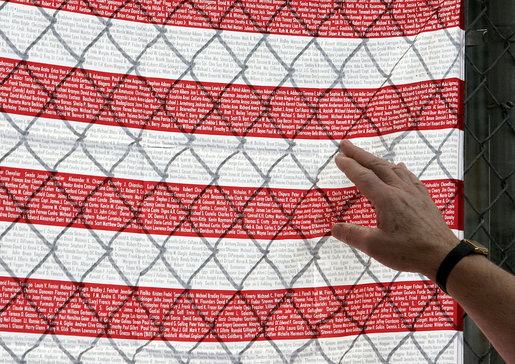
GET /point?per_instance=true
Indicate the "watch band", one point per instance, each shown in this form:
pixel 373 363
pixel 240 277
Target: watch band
pixel 455 255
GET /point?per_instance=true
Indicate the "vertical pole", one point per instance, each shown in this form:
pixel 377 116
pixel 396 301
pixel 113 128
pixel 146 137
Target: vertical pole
pixel 476 218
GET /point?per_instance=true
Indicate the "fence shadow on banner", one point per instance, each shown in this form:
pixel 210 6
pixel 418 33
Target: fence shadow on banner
pixel 131 226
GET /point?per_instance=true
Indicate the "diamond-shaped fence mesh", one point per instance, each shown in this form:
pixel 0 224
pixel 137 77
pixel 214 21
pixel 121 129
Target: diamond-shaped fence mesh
pixel 489 144
pixel 145 165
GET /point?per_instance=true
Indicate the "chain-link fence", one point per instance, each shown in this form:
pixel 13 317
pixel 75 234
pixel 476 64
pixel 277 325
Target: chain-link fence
pixel 489 143
pixel 139 106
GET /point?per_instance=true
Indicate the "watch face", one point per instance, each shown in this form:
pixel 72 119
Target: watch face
pixel 478 248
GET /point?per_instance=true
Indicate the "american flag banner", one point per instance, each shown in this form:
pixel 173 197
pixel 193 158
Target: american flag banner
pixel 167 178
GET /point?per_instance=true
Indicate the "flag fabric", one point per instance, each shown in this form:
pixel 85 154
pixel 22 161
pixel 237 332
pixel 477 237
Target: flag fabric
pixel 167 183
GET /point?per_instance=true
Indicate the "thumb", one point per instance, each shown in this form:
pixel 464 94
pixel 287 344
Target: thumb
pixel 356 236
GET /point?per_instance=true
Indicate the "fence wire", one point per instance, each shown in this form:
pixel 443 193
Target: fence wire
pixel 489 144
pixel 480 209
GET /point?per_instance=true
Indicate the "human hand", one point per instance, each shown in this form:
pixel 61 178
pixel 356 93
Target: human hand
pixel 411 234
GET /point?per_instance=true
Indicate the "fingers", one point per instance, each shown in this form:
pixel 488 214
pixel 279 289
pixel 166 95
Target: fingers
pixel 380 167
pixel 354 235
pixel 408 176
pixel 365 180
pixel 400 170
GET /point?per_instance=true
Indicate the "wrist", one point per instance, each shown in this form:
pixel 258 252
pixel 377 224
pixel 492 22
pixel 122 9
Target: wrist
pixel 464 249
pixel 460 277
pixel 437 255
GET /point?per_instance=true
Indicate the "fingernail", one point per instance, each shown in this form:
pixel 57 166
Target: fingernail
pixel 346 141
pixel 401 164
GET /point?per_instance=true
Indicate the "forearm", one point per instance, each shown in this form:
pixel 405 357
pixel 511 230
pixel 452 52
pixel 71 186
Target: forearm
pixel 487 294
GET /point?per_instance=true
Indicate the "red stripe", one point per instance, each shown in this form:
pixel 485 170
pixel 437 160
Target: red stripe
pixel 257 111
pixel 136 206
pixel 92 309
pixel 327 18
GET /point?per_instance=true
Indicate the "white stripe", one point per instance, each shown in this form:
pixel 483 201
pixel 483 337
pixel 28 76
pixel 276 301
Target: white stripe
pixel 78 251
pixel 395 58
pixel 198 161
pixel 259 352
